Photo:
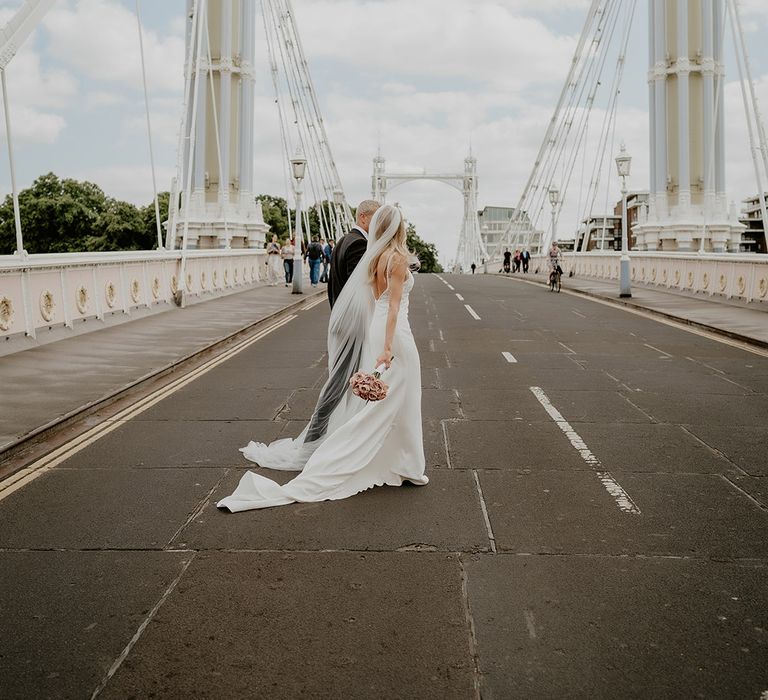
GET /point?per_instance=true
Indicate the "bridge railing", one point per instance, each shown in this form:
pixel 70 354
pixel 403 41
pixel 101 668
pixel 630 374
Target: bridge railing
pixel 733 275
pixel 40 292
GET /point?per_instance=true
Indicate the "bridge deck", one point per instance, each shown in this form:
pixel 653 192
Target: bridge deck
pixel 595 525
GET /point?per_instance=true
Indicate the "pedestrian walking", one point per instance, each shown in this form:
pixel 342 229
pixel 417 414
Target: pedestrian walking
pixel 516 263
pixel 273 261
pixel 507 261
pixel 327 252
pixel 315 258
pixel 286 253
pixel 525 256
pixel 474 267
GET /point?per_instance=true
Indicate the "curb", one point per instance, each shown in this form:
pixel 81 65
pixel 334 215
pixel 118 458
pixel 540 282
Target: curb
pixel 16 448
pixel 732 335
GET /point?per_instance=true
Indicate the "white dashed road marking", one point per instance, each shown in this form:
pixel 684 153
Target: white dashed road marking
pixel 509 357
pixel 459 297
pixel 666 354
pixel 453 289
pixel 622 498
pixel 471 312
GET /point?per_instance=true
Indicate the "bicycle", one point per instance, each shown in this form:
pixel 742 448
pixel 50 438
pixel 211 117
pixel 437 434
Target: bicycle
pixel 554 279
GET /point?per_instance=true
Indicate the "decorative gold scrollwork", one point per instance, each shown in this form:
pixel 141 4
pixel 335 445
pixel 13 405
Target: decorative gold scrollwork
pixel 677 277
pixel 226 277
pixel 110 294
pixel 174 284
pixel 741 285
pixel 47 305
pixel 189 281
pixel 763 288
pixel 653 274
pixel 664 275
pixel 156 288
pixel 723 282
pixel 6 313
pixel 135 291
pixel 81 299
pixel 690 279
pixel 705 280
pixel 236 275
pixel 203 280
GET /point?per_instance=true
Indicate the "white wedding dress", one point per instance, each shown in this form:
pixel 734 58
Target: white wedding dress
pixel 367 444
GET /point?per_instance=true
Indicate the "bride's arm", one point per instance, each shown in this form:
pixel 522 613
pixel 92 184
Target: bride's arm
pixel 396 282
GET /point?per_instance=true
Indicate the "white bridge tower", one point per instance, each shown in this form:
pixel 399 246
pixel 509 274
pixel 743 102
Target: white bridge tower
pixel 688 206
pixel 471 248
pixel 222 211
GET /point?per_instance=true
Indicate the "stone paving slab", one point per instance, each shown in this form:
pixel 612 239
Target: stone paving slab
pixel 509 445
pixel 332 624
pixel 670 382
pixel 595 407
pixel 444 515
pixel 747 447
pixel 94 509
pixel 707 409
pixel 43 383
pixel 66 616
pixel 167 443
pixel 212 401
pixel 559 512
pixel 665 448
pixel 515 403
pixel 604 628
pixel 755 486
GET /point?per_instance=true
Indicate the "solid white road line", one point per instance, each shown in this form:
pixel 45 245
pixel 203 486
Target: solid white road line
pixel 652 347
pixel 509 357
pixel 459 297
pixel 453 289
pixel 471 312
pixel 71 448
pixel 570 350
pixel 313 304
pixel 622 498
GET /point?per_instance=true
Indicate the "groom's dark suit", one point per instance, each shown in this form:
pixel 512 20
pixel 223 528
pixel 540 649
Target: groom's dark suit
pixel 346 254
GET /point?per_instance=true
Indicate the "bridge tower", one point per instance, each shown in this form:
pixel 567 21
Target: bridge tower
pixel 222 210
pixel 688 207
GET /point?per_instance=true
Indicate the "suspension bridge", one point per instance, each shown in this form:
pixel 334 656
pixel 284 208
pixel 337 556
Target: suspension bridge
pixel 595 523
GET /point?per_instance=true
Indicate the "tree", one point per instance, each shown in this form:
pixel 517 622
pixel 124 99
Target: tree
pixel 57 216
pixel 275 214
pixel 425 252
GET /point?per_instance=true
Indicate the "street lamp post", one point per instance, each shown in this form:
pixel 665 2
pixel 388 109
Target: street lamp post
pixel 623 165
pixel 554 200
pixel 298 167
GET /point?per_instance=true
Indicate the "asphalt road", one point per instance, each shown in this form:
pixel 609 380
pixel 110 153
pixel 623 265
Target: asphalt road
pixel 596 525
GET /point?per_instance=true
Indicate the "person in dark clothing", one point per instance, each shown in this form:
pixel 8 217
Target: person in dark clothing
pixel 525 257
pixel 315 258
pixel 474 267
pixel 349 249
pixel 507 260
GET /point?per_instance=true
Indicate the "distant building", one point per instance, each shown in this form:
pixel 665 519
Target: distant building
pixel 604 232
pixel 753 240
pixel 494 222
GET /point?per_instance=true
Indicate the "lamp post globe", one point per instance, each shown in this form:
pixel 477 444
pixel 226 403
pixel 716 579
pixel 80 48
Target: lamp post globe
pixel 623 167
pixel 298 168
pixel 554 200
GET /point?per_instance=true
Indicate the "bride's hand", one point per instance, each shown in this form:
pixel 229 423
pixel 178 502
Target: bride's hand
pixel 384 359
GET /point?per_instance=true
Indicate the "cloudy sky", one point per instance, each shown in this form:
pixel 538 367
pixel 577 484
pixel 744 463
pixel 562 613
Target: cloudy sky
pixel 422 78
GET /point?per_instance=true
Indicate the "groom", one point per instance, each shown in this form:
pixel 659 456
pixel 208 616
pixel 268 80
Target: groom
pixel 349 249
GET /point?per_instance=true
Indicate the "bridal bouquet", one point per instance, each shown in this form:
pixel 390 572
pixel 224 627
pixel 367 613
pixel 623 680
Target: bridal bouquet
pixel 368 387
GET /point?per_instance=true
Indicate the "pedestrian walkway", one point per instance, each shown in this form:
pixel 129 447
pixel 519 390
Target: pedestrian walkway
pixel 730 317
pixel 44 385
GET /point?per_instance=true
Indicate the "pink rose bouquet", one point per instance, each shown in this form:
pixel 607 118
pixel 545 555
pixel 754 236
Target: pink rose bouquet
pixel 368 387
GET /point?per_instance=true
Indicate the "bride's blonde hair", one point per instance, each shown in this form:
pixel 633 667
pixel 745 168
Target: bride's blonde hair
pixel 397 246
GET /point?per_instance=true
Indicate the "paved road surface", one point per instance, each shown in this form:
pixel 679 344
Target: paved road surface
pixel 596 525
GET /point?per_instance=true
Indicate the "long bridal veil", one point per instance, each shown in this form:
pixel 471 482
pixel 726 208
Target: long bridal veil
pixel 347 329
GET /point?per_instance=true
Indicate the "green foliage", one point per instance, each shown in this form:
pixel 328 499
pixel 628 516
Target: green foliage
pixel 425 252
pixel 66 215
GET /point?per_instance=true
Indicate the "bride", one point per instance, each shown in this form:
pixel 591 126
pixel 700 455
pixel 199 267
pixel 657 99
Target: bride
pixel 350 445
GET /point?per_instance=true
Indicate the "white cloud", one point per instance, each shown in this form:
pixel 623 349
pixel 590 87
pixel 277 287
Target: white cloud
pixel 103 98
pixel 133 183
pixel 30 125
pixel 99 38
